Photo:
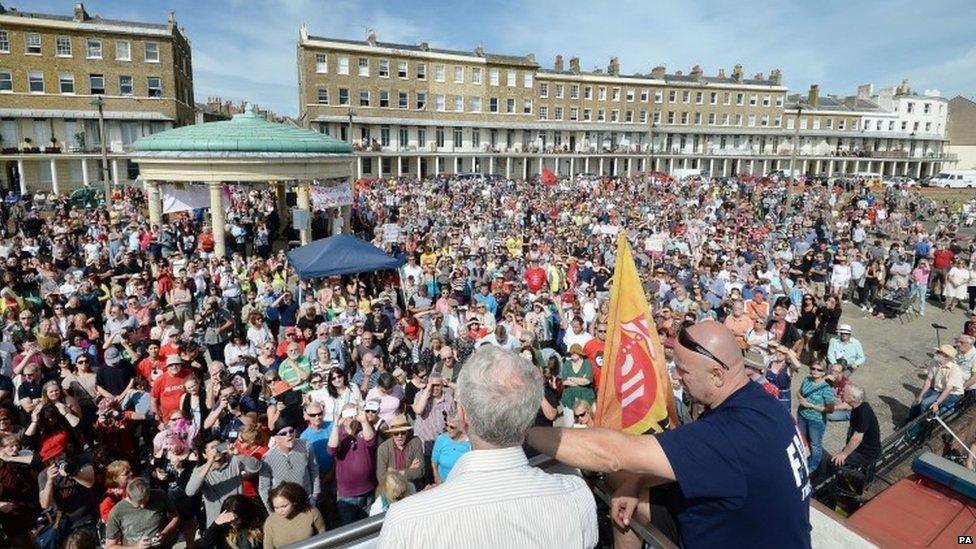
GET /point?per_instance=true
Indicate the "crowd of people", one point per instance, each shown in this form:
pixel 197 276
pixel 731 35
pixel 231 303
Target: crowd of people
pixel 152 391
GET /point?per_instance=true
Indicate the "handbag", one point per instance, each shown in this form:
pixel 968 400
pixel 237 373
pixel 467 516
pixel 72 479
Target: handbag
pixel 53 527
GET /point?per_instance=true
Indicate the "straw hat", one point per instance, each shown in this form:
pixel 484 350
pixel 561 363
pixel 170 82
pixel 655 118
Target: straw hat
pixel 399 424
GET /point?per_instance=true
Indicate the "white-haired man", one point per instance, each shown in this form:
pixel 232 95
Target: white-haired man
pixel 493 498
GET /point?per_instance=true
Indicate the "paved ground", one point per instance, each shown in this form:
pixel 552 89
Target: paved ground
pixel 896 358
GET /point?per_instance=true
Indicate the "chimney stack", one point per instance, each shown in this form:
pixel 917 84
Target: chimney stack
pixel 776 76
pixel 813 96
pixel 658 72
pixel 696 72
pixel 371 37
pixel 614 66
pixel 574 65
pixel 80 13
pixel 172 18
pixel 758 76
pixel 865 91
pixel 737 73
pixel 558 65
pixel 424 46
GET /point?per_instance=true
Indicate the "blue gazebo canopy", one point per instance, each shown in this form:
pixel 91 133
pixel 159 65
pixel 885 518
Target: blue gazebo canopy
pixel 338 255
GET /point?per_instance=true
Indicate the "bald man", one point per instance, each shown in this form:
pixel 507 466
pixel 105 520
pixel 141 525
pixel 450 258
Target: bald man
pixel 735 477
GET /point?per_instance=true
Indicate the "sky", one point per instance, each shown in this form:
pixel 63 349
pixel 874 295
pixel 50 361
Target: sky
pixel 246 49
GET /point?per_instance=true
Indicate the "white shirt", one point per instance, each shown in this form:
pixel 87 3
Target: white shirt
pixel 492 499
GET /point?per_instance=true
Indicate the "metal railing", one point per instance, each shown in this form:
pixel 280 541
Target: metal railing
pixel 899 445
pixel 362 532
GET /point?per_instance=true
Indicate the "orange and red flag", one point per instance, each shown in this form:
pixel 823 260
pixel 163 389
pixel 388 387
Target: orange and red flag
pixel 635 389
pixel 548 178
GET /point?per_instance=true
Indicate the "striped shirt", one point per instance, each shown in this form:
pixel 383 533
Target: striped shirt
pixel 298 466
pixel 492 499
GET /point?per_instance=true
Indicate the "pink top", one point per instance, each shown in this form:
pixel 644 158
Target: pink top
pixel 389 404
pixel 921 276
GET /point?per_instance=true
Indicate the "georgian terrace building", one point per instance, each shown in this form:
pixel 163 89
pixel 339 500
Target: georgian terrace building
pixel 418 110
pixel 54 69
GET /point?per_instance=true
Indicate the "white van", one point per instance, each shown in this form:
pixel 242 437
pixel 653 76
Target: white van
pixel 956 179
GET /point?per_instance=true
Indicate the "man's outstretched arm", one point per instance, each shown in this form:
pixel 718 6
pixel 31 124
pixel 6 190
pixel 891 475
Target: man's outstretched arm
pixel 604 450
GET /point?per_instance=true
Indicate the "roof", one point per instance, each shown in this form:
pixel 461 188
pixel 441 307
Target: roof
pixel 244 133
pixel 497 58
pixel 686 78
pixel 95 19
pixel 844 105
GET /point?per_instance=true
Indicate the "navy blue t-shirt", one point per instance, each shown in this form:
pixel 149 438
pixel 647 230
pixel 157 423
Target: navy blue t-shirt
pixel 741 475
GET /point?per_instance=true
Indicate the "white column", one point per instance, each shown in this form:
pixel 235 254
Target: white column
pixel 670 165
pixel 22 177
pixel 711 167
pixel 725 167
pixel 84 172
pixel 115 172
pixel 54 177
pixel 491 164
pixel 555 167
pixel 525 169
pixel 155 203
pixel 586 164
pixel 217 217
pixel 379 168
pixel 572 166
pixel 437 165
pixel 601 165
pixel 508 167
pixel 643 164
pixel 918 169
pixel 615 169
pixel 359 167
pixel 305 235
pixel 399 166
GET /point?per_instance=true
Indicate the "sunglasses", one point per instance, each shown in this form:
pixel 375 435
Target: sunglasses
pixel 315 415
pixel 286 432
pixel 579 415
pixel 449 426
pixel 688 342
pixel 371 411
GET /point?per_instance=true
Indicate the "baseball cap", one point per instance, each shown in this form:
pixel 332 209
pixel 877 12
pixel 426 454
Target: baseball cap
pixel 372 406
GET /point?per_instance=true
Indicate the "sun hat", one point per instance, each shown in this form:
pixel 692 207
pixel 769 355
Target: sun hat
pixel 399 424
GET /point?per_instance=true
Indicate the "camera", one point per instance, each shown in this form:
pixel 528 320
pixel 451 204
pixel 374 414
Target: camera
pixel 67 468
pixel 233 401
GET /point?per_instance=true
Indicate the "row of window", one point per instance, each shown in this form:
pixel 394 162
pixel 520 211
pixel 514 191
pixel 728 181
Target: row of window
pixel 442 102
pixel 63 47
pixel 631 95
pixel 66 83
pixel 828 124
pixel 926 107
pixel 458 74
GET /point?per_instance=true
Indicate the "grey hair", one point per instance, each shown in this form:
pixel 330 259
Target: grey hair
pixel 856 392
pixel 500 392
pixel 137 490
pixel 967 338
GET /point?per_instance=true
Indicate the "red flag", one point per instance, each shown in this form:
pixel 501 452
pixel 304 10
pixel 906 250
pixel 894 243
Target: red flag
pixel 635 389
pixel 548 178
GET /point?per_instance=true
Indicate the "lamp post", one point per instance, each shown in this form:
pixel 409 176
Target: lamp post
pixel 99 102
pixel 350 112
pixel 650 144
pixel 796 139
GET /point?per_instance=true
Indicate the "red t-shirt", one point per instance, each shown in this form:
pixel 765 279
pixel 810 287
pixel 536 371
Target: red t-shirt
pixel 168 390
pixel 151 369
pixel 594 351
pixel 535 279
pixel 942 259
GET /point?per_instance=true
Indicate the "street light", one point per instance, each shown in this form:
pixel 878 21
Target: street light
pixel 796 139
pixel 99 102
